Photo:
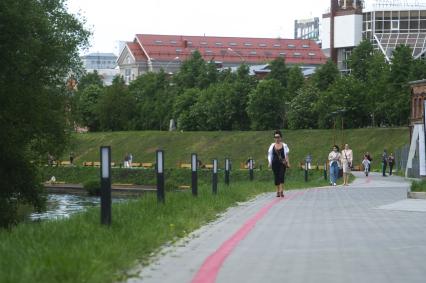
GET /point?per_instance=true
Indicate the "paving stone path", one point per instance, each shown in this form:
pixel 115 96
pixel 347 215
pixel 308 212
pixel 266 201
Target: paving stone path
pixel 365 232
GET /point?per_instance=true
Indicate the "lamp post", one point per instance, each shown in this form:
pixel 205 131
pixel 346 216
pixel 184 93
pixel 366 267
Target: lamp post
pixel 227 169
pixel 174 59
pixel 239 55
pixel 160 175
pixel 214 181
pixel 194 174
pixel 105 185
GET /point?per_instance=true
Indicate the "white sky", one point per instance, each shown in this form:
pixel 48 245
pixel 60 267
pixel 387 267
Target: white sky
pixel 112 20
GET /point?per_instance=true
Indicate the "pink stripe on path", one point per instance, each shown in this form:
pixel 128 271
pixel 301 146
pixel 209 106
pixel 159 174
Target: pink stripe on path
pixel 210 268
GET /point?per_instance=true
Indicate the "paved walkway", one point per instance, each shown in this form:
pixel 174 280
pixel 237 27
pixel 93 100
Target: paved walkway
pixel 366 232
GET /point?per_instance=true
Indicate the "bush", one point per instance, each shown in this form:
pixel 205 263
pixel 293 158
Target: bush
pixel 418 186
pixel 93 187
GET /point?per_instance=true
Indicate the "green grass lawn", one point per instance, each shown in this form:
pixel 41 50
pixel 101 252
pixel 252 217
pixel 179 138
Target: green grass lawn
pixel 237 145
pixel 79 249
pixel 418 186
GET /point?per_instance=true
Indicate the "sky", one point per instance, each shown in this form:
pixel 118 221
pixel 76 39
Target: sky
pixel 113 21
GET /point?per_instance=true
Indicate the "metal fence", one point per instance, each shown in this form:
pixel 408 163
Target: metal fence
pixel 401 158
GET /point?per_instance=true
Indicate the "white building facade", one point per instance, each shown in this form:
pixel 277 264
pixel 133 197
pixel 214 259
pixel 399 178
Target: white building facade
pixel 386 23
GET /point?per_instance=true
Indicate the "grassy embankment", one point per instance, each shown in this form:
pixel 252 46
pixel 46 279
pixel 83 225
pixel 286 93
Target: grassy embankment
pixel 79 249
pixel 237 145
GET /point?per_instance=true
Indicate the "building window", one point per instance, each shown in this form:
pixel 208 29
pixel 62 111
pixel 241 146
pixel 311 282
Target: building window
pixel 395 25
pixel 252 53
pixel 297 54
pixel 203 43
pixel 305 46
pixel 282 54
pixel 158 42
pixel 189 43
pixel 173 42
pixel 277 45
pixel 218 43
pixel 291 46
pixel 268 53
pixel 209 52
pixel 311 54
pixel 178 50
pixel 262 44
pixel 248 44
pixel 233 44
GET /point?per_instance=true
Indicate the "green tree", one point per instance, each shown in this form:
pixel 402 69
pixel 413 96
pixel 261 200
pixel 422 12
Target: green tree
pixel 116 108
pixel 214 109
pixel 89 79
pixel 182 109
pixel 154 99
pixel 86 103
pixel 303 113
pixel 192 73
pixel 243 84
pixel 279 71
pixel 398 97
pixel 39 44
pixel 325 75
pixel 346 97
pixel 360 60
pixel 266 105
pixel 295 81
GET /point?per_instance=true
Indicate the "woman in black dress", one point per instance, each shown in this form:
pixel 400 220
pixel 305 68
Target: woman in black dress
pixel 278 160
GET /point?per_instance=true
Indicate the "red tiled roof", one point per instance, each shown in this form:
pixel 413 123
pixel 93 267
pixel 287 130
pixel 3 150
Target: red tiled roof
pixel 136 50
pixel 251 50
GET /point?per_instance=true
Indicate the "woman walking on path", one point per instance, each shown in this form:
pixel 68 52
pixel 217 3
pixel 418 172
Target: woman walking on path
pixel 346 158
pixel 334 159
pixel 278 160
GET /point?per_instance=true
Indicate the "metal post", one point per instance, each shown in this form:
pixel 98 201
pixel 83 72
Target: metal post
pixel 105 153
pixel 251 169
pixel 306 171
pixel 325 170
pixel 214 181
pixel 227 168
pixel 160 175
pixel 194 174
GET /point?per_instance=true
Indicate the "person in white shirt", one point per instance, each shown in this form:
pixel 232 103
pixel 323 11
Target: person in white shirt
pixel 279 161
pixel 346 159
pixel 334 163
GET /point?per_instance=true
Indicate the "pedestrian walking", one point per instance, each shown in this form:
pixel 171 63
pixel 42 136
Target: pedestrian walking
pixel 391 162
pixel 334 163
pixel 279 161
pixel 126 160
pixel 346 159
pixel 130 160
pixel 384 162
pixel 366 164
pixel 369 159
pixel 71 158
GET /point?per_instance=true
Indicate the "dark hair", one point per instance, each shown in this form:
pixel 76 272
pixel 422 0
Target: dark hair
pixel 278 132
pixel 336 146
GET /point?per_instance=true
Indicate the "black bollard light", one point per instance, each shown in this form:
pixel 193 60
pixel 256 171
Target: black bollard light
pixel 105 153
pixel 251 169
pixel 325 171
pixel 227 169
pixel 160 175
pixel 306 171
pixel 194 174
pixel 214 181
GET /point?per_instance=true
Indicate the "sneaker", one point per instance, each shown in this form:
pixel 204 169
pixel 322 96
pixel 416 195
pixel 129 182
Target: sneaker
pixel 334 184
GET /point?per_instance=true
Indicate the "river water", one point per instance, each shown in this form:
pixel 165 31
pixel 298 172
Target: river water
pixel 64 205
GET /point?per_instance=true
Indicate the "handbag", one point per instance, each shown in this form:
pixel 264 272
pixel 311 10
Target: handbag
pixel 283 161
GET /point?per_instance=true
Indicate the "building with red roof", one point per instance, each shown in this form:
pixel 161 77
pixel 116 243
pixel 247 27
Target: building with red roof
pixel 151 52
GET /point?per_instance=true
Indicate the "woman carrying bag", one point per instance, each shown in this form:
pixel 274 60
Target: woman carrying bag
pixel 278 160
